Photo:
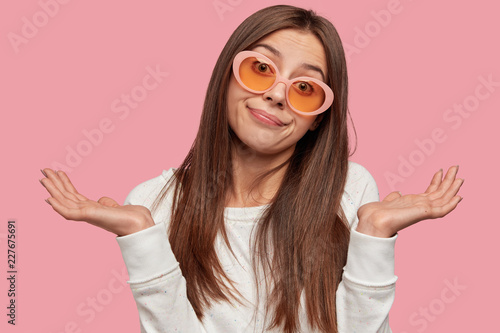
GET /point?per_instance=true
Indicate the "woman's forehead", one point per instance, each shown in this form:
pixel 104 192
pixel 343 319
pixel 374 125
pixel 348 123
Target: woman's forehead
pixel 294 45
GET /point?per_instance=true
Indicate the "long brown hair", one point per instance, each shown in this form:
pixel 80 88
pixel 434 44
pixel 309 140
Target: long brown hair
pixel 304 227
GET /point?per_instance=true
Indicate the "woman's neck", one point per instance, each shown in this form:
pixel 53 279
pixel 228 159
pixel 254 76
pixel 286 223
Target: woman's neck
pixel 248 165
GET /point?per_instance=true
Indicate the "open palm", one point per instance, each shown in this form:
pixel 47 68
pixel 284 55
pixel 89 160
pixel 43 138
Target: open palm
pixel 105 213
pixel 396 212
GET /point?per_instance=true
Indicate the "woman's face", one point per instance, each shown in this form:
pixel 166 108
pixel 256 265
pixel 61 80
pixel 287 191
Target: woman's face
pixel 295 53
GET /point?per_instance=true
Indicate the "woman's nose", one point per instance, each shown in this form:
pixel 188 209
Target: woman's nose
pixel 277 95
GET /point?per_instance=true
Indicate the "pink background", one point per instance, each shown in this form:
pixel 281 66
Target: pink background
pixel 405 75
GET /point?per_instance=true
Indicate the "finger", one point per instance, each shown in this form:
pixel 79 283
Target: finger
pixel 68 185
pixel 444 210
pixel 52 175
pixel 452 190
pixel 447 181
pixel 63 210
pixel 55 192
pixel 54 178
pixel 435 182
pixel 393 195
pixel 108 202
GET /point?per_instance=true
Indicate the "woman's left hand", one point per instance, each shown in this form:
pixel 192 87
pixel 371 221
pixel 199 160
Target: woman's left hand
pixel 396 211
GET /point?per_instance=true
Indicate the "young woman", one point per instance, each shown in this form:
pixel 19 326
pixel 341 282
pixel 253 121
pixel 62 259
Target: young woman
pixel 266 226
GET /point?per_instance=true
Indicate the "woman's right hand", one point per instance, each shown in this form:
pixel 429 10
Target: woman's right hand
pixel 104 213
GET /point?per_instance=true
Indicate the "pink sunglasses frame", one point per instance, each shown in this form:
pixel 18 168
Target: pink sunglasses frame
pixel 238 59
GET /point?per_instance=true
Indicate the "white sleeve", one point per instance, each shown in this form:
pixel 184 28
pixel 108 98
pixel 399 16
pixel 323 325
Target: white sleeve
pixel 155 278
pixel 367 290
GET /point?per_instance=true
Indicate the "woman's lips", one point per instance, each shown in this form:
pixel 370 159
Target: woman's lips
pixel 265 117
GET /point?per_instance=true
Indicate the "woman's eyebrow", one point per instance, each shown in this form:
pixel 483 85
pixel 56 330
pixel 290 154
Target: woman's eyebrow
pixel 278 54
pixel 270 49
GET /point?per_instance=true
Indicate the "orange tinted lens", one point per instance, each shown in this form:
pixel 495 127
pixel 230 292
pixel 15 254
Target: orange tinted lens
pixel 257 74
pixel 306 96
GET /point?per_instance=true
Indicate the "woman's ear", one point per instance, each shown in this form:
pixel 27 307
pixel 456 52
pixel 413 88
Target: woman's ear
pixel 316 122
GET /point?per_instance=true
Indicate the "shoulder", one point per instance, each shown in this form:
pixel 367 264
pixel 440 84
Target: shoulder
pixel 358 177
pixel 360 188
pixel 146 192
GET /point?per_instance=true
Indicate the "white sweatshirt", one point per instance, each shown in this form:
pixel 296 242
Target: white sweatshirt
pixel 364 296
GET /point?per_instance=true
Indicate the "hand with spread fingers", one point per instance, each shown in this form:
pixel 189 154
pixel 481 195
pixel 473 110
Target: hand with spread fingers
pixel 104 213
pixel 396 211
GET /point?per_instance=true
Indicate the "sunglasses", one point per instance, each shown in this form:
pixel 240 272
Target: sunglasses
pixel 258 74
